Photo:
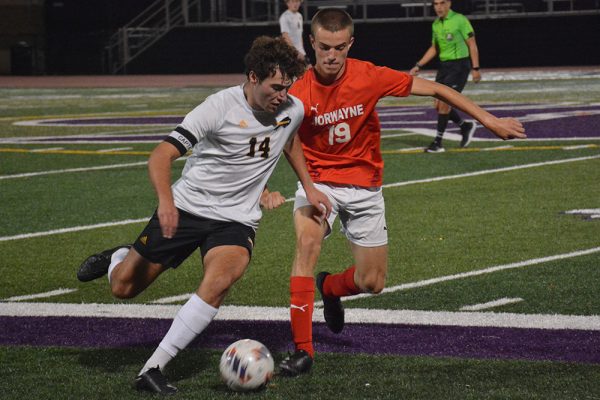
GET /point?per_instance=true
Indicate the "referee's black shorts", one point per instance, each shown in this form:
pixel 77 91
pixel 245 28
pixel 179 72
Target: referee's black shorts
pixel 192 232
pixel 454 73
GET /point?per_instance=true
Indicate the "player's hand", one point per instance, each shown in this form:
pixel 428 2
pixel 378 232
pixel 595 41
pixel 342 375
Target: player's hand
pixel 414 71
pixel 476 76
pixel 507 128
pixel 168 218
pixel 321 203
pixel 271 200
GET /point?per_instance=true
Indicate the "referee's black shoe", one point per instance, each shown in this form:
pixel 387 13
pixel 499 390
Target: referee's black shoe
pixel 96 265
pixel 467 129
pixel 295 364
pixel 333 310
pixel 154 381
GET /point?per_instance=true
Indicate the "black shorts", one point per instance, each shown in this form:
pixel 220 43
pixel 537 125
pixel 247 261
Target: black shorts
pixel 454 73
pixel 192 232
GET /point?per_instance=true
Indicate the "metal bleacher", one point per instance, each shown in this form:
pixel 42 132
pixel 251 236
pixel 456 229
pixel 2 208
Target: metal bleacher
pixel 163 15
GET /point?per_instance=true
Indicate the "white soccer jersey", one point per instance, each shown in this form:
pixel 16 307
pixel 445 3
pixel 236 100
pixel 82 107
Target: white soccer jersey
pixel 234 152
pixel 291 23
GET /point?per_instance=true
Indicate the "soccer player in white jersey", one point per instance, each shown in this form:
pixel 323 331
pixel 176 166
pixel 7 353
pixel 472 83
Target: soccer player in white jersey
pixel 236 137
pixel 290 25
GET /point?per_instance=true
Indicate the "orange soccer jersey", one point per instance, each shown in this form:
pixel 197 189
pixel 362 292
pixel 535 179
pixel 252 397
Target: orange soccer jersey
pixel 340 133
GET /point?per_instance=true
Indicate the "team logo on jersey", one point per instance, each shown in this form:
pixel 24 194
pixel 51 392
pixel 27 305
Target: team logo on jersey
pixel 243 124
pixel 144 240
pixel 284 122
pixel 449 37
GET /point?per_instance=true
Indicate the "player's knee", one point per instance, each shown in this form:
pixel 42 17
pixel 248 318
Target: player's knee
pixel 372 282
pixel 374 287
pixel 123 291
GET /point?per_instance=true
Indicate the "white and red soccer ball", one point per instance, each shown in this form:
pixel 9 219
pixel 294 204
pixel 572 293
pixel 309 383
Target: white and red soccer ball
pixel 246 365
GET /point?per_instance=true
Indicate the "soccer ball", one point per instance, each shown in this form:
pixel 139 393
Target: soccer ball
pixel 246 365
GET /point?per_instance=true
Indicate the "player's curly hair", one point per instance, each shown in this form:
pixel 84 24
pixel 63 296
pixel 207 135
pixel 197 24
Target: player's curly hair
pixel 332 20
pixel 268 54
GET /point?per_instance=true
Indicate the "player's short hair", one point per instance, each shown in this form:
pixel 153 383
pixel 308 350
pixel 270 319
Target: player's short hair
pixel 332 20
pixel 268 54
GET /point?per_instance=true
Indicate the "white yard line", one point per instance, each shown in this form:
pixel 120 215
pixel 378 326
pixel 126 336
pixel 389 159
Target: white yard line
pixel 584 211
pixel 406 183
pixel 47 149
pixel 52 293
pixel 497 148
pixel 353 315
pixel 69 170
pixel 172 299
pixel 72 229
pixel 484 271
pixel 491 171
pixel 491 304
pixel 114 149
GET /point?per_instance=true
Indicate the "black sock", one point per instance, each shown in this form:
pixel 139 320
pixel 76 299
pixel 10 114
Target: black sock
pixel 442 122
pixel 454 117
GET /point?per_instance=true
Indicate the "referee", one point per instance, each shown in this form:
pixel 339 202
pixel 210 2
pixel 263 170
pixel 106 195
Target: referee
pixel 453 40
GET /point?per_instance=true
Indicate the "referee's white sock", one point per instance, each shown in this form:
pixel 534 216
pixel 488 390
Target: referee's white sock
pixel 190 321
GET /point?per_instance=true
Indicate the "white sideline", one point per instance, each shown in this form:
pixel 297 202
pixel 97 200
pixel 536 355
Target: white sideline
pixel 353 315
pixel 406 183
pixel 8 307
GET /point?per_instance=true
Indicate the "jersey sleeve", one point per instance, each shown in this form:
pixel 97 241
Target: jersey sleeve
pixel 466 29
pixel 284 24
pixel 392 82
pixel 198 123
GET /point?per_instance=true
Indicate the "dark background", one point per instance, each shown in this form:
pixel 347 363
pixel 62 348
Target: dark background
pixel 70 37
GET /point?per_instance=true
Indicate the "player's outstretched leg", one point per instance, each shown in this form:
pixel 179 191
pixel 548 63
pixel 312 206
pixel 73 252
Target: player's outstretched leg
pixel 333 310
pixel 97 265
pixel 295 364
pixel 154 381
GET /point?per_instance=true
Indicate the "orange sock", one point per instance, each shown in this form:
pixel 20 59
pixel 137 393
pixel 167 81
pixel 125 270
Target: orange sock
pixel 302 298
pixel 342 284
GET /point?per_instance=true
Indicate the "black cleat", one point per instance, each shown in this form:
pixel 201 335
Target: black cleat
pixel 333 310
pixel 97 265
pixel 467 129
pixel 296 364
pixel 154 381
pixel 435 147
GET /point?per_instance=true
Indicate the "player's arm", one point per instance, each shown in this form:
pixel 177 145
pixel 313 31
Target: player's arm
pixel 295 157
pixel 159 169
pixel 270 200
pixel 504 128
pixel 287 38
pixel 474 53
pixel 428 56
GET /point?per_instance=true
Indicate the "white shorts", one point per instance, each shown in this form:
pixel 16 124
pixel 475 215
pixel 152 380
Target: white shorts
pixel 361 211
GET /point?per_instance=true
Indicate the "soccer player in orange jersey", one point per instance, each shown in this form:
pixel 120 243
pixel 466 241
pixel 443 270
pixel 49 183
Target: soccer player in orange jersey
pixel 340 135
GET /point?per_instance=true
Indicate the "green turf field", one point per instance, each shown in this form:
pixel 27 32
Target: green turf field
pixel 448 214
